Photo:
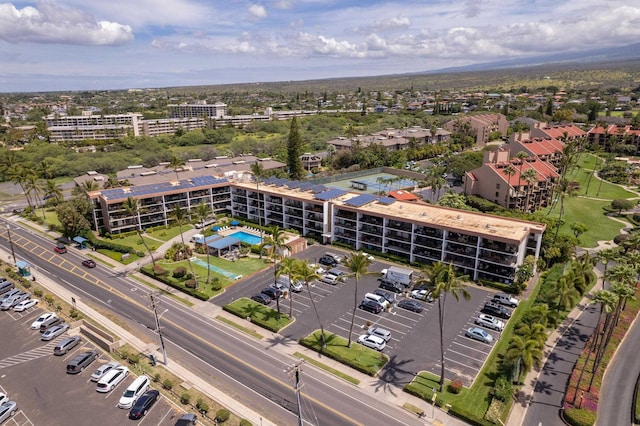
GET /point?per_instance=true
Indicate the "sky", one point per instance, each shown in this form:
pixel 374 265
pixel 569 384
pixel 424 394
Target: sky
pixel 56 45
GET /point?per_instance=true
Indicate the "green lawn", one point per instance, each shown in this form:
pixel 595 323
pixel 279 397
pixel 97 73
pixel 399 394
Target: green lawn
pixel 260 314
pixel 134 241
pixel 361 358
pixel 607 190
pixel 165 234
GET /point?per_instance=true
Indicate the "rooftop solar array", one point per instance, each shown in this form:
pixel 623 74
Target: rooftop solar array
pixel 294 184
pixel 386 200
pixel 159 188
pixel 361 200
pixel 318 188
pixel 304 186
pixel 330 194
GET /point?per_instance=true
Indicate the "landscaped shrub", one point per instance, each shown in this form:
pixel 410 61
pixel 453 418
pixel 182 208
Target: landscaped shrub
pixel 167 384
pixel 579 417
pixel 202 406
pixel 179 272
pixel 190 284
pixel 173 283
pixel 189 275
pixel 185 398
pixel 620 238
pixel 160 271
pixel 245 422
pixel 156 377
pixel 49 299
pixel 216 284
pixel 502 389
pixel 463 414
pixel 455 386
pixel 222 415
pixel 133 358
pixel 37 292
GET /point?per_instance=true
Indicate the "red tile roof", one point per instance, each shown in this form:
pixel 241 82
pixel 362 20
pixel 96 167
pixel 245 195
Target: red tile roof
pixel 403 195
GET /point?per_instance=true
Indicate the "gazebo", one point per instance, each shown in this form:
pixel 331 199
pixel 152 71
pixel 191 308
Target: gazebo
pixel 24 268
pixel 223 246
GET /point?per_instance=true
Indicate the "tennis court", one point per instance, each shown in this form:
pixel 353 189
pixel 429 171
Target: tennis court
pixel 371 184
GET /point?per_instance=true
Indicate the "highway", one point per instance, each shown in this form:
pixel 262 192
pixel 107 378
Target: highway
pixel 251 371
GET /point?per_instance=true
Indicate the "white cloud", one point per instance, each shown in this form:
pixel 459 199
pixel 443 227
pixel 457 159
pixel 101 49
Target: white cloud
pixel 393 23
pixel 257 11
pixel 49 23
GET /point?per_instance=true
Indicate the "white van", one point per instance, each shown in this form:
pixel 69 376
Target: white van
pixel 506 299
pixel 378 299
pixel 135 389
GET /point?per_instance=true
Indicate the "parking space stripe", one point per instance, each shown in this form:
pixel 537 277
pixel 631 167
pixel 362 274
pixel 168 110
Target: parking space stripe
pixel 471 348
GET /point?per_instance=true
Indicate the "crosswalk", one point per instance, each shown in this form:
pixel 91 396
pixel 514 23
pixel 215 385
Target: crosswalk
pixel 36 353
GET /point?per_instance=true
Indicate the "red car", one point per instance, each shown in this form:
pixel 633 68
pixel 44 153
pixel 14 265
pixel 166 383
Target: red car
pixel 89 263
pixel 60 248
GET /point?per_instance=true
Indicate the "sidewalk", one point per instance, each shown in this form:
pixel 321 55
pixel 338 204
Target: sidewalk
pixel 381 390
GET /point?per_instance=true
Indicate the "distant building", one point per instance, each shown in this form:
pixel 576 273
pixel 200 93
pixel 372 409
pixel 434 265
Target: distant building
pixel 198 110
pixel 561 132
pixel 481 126
pixel 67 128
pixel 393 139
pixel 310 161
pixel 606 136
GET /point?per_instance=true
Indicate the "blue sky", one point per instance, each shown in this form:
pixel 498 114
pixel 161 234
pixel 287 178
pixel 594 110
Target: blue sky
pixel 116 44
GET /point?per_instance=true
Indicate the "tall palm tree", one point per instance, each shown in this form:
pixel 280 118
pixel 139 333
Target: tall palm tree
pixel 180 216
pixel 605 256
pixel 203 212
pixel 523 353
pixel 132 208
pixel 20 176
pixel 563 189
pixel 304 272
pixel 444 280
pixel 509 171
pixel 563 295
pixel 35 186
pixel 287 267
pixel 522 156
pixel 358 265
pixel 531 177
pixel 258 173
pixel 175 163
pixel 276 242
pixel 53 191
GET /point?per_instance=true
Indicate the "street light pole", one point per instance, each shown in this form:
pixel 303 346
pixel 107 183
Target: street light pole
pixel 13 253
pixel 158 329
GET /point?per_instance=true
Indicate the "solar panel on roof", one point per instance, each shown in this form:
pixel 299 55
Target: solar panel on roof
pixel 281 182
pixel 386 200
pixel 328 195
pixel 294 184
pixel 305 185
pixel 318 188
pixel 361 200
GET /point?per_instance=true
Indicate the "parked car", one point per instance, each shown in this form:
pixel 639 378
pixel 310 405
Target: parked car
pixel 5 285
pixel 81 361
pixel 54 331
pixel 327 261
pixel 380 332
pixel 391 286
pixel 9 294
pixel 3 398
pixel 261 298
pixel 60 248
pixel 65 345
pixel 388 296
pixel 13 301
pixel 25 304
pixel 373 342
pixel 479 334
pixel 506 299
pixel 103 369
pixel 422 295
pixel 89 263
pixel 110 380
pixel 371 306
pixel 54 320
pixel 144 404
pixel 187 419
pixel 337 257
pixel 7 409
pixel 284 283
pixel 489 322
pixel 496 310
pixel 272 293
pixel 411 305
pixel 42 318
pixel 133 391
pixel 330 279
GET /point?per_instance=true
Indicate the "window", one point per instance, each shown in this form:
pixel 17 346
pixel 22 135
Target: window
pixel 497 186
pixel 497 195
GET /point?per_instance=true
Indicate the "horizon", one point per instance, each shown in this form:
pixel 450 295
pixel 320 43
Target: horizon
pixel 73 45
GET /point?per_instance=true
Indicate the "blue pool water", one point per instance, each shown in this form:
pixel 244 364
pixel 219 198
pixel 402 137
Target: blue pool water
pixel 246 237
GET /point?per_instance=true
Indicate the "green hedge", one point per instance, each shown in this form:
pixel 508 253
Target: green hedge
pixel 463 414
pixel 274 326
pixel 178 286
pixel 579 417
pixel 107 245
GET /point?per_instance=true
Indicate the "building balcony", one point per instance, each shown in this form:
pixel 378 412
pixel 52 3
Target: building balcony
pixel 345 214
pixel 462 238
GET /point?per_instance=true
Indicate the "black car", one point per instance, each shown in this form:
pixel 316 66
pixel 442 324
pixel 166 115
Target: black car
pixel 411 305
pixel 261 298
pixel 327 261
pixel 388 296
pixel 89 263
pixel 496 310
pixel 143 404
pixel 371 306
pixel 391 286
pixel 273 293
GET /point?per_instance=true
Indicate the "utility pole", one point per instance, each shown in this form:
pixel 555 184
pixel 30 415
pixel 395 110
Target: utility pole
pixel 13 253
pixel 158 329
pixel 294 371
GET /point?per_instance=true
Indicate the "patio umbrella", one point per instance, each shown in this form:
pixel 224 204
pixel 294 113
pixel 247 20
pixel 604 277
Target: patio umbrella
pixel 235 223
pixel 215 228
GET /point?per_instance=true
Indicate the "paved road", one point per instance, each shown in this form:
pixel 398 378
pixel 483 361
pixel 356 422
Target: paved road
pixel 552 381
pixel 616 394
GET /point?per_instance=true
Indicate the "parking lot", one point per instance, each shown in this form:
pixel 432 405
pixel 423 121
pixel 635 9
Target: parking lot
pixel 46 395
pixel 415 341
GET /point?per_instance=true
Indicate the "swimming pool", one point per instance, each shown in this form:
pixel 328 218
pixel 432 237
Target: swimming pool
pixel 246 237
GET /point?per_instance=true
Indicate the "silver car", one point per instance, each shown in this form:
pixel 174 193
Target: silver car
pixel 54 331
pixel 12 301
pixel 7 409
pixel 103 369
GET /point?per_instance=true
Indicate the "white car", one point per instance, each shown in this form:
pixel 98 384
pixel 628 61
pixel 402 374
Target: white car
pixel 103 369
pixel 490 322
pixel 422 295
pixel 42 318
pixel 3 398
pixel 479 334
pixel 110 380
pixel 25 304
pixel 317 268
pixel 373 342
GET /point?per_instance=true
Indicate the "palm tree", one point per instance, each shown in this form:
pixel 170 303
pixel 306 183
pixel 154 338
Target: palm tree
pixel 605 256
pixel 53 191
pixel 175 163
pixel 287 267
pixel 530 176
pixel 563 189
pixel 276 243
pixel 509 171
pixel 258 173
pixel 522 156
pixel 20 176
pixel 203 212
pixel 132 208
pixel 180 216
pixel 563 295
pixel 358 265
pixel 444 280
pixel 34 185
pixel 523 353
pixel 303 271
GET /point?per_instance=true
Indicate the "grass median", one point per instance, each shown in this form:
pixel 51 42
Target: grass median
pixel 259 314
pixel 363 359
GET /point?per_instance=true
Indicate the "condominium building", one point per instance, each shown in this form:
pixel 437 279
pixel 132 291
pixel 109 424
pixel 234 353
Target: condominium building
pixel 76 128
pixel 198 110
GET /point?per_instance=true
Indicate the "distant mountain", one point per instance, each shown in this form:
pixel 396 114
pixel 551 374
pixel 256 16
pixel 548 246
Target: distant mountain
pixel 614 54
